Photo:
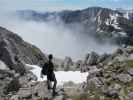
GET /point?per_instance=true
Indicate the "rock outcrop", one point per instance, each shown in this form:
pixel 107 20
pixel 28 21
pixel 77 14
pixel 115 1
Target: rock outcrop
pixel 112 80
pixel 109 79
pixel 15 52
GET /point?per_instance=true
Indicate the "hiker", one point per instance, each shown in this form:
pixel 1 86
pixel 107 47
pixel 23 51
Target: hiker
pixel 48 69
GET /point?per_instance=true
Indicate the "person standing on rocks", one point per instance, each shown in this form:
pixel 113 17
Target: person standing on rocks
pixel 48 69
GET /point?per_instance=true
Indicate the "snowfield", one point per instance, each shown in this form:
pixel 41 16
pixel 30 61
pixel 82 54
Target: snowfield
pixel 61 76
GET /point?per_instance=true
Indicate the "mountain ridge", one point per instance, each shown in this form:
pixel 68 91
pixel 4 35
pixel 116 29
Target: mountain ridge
pixel 101 23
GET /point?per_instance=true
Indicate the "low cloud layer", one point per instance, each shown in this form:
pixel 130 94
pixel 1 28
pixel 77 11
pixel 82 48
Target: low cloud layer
pixel 54 37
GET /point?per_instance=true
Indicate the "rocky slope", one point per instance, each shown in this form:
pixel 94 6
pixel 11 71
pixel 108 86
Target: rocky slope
pixel 15 52
pixel 102 23
pixel 110 78
pixel 16 79
pixel 110 75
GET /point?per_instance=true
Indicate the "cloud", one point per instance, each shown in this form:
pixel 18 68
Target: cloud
pixel 51 37
pixel 55 37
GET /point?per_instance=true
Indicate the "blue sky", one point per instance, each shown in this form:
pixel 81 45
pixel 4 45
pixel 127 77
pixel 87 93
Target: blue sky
pixel 62 4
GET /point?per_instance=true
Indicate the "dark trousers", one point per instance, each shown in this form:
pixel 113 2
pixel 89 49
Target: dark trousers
pixel 51 78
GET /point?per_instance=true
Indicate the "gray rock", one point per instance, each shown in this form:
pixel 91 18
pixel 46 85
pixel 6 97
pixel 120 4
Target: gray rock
pixel 40 89
pixel 92 59
pixel 12 46
pixel 94 72
pixel 13 86
pixel 3 66
pixel 61 97
pixel 24 80
pixel 112 91
pixel 15 97
pixel 130 71
pixel 102 58
pixel 25 93
pixel 79 65
pixel 5 78
pixel 67 64
pixel 130 95
pixel 1 98
pixel 119 51
pixel 98 82
pixel 35 91
pixel 129 50
pixel 125 78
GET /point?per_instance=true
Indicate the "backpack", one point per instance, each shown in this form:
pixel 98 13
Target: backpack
pixel 44 70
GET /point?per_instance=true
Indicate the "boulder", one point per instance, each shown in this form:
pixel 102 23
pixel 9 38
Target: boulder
pixel 3 66
pixel 129 49
pixel 119 51
pixel 125 78
pixel 113 91
pixel 98 82
pixel 35 91
pixel 29 77
pixel 14 85
pixel 40 89
pixel 15 97
pixel 130 96
pixel 25 93
pixel 79 65
pixel 5 78
pixel 94 72
pixel 102 58
pixel 92 59
pixel 130 71
pixel 67 64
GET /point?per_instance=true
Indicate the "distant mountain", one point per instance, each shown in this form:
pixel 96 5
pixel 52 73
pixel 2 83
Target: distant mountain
pixel 101 23
pixel 127 13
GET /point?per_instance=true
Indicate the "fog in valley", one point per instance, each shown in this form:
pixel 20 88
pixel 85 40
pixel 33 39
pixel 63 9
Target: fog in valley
pixel 54 37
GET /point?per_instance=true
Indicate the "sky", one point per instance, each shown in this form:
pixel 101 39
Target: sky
pixel 55 5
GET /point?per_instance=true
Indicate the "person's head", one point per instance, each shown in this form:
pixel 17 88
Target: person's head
pixel 50 56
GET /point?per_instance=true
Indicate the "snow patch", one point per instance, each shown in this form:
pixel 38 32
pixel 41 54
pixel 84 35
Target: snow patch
pixel 122 33
pixel 3 66
pixel 61 76
pixel 113 21
pixel 126 15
